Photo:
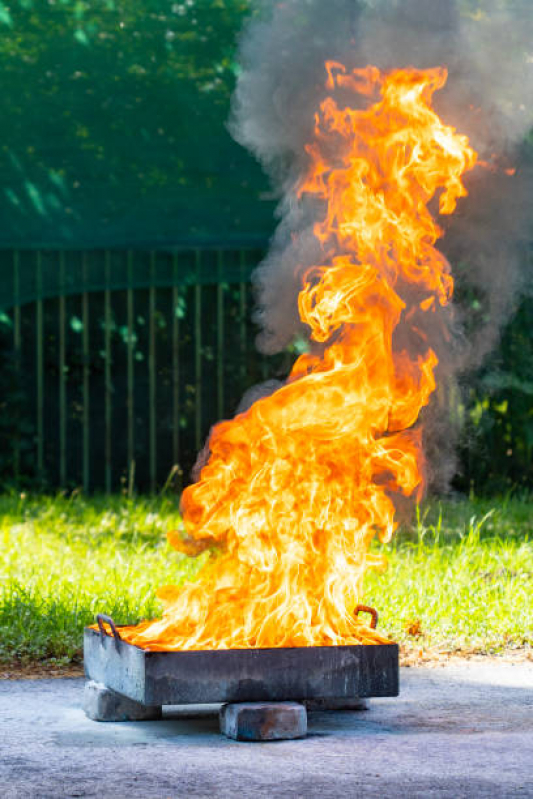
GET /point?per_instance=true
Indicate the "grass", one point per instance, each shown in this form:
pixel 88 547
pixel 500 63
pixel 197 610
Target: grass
pixel 63 560
pixel 459 580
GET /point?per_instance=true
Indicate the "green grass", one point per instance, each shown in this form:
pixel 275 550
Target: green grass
pixel 63 560
pixel 460 579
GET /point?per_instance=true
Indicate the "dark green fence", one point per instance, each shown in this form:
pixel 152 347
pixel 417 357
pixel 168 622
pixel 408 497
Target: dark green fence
pixel 118 363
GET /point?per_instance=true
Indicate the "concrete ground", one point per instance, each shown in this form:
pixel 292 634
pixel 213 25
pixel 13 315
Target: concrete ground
pixel 460 731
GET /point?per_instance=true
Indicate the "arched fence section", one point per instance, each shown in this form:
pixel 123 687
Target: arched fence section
pixel 119 362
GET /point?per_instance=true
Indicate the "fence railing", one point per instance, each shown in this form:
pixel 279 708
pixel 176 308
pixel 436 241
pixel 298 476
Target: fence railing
pixel 118 363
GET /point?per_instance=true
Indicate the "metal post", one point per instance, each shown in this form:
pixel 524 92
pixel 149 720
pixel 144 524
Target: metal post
pixel 152 376
pixel 198 352
pixel 107 373
pixel 86 376
pixel 62 376
pixel 130 368
pixel 220 335
pixel 17 346
pixel 40 368
pixel 175 365
pixel 242 316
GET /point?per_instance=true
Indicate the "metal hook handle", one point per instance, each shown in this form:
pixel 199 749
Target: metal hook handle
pixel 373 612
pixel 101 618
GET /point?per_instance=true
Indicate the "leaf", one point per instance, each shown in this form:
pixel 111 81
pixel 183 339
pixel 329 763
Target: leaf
pixel 81 37
pixel 5 16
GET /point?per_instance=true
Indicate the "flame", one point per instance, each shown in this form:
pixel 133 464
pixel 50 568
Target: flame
pixel 297 487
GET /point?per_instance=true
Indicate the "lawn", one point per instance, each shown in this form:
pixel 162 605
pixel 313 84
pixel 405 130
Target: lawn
pixel 459 580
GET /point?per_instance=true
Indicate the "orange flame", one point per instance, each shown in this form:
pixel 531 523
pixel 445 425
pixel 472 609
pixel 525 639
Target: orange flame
pixel 297 487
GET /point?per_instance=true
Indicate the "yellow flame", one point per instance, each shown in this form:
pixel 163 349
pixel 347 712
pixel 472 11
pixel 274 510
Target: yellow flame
pixel 297 487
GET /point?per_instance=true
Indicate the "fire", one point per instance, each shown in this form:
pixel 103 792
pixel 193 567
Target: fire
pixel 296 488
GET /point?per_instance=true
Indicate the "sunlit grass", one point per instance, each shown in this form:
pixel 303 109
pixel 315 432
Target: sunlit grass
pixel 461 578
pixel 63 560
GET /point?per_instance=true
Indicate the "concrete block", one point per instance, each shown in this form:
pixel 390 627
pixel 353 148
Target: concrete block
pixel 355 703
pixel 263 721
pixel 102 704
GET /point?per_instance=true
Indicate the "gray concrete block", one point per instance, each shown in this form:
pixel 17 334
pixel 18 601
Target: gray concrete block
pixel 263 721
pixel 337 704
pixel 102 704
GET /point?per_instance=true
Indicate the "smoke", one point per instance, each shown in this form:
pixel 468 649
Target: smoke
pixel 488 50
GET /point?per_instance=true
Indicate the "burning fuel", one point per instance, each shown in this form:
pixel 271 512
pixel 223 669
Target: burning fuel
pixel 297 487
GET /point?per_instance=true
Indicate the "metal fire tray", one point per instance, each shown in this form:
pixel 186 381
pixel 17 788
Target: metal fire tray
pixel 240 675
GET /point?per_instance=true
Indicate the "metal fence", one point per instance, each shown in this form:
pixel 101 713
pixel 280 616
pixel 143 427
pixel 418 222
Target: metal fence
pixel 121 361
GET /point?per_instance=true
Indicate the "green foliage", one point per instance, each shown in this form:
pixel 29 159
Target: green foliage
pixel 463 573
pixel 113 124
pixel 497 451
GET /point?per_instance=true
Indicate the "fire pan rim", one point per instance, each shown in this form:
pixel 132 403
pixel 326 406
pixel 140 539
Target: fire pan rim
pixel 91 629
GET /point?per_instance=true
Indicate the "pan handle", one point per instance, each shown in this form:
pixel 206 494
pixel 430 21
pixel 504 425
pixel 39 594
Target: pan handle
pixel 366 609
pixel 101 618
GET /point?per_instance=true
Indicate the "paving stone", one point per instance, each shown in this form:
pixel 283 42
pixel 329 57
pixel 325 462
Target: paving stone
pixel 337 704
pixel 263 721
pixel 102 704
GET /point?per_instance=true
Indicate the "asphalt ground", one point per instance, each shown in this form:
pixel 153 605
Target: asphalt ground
pixel 462 730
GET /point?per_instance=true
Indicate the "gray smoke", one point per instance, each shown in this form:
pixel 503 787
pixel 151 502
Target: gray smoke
pixel 488 49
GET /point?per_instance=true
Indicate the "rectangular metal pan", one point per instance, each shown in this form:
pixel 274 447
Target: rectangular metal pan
pixel 240 675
